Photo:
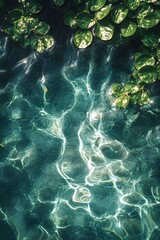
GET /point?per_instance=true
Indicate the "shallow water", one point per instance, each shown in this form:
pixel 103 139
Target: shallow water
pixel 73 167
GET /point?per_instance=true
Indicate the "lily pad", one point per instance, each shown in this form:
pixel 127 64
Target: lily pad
pixel 21 26
pixel 83 38
pixel 119 13
pixel 42 29
pixel 144 60
pixel 132 4
pixel 58 3
pixel 69 19
pixel 122 101
pixel 103 12
pixel 43 43
pixel 32 23
pixel 148 17
pixel 104 30
pixel 33 7
pixel 150 39
pixel 14 15
pixel 116 89
pixel 84 20
pixel 143 98
pixel 95 5
pixel 128 28
pixel 147 74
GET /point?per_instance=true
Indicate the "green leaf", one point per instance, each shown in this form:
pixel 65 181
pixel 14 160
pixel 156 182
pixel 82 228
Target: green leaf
pixel 43 43
pixel 147 74
pixel 83 38
pixel 104 30
pixel 144 10
pixel 84 20
pixel 33 6
pixel 119 13
pixel 128 28
pixel 135 89
pixel 42 29
pixel 14 15
pixel 69 18
pixel 143 98
pixel 150 39
pixel 144 60
pixel 132 4
pixel 128 87
pixel 103 12
pixel 20 26
pixel 116 89
pixel 122 101
pixel 149 20
pixel 95 5
pixel 58 3
pixel 32 23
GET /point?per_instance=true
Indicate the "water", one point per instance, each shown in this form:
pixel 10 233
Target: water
pixel 73 167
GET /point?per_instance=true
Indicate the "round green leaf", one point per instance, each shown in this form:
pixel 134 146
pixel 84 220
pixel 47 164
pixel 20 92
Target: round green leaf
pixel 116 89
pixel 143 98
pixel 95 5
pixel 144 60
pixel 34 6
pixel 58 3
pixel 43 43
pixel 83 38
pixel 69 18
pixel 122 101
pixel 128 28
pixel 132 4
pixel 150 20
pixel 119 13
pixel 104 30
pixel 32 23
pixel 42 29
pixel 150 39
pixel 84 20
pixel 20 26
pixel 14 15
pixel 147 74
pixel 103 12
pixel 144 10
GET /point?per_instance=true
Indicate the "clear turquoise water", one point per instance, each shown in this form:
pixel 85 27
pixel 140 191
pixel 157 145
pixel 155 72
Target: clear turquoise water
pixel 73 167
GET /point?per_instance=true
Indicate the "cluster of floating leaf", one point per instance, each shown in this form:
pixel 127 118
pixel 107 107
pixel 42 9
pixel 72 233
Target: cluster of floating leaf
pixel 128 19
pixel 105 20
pixel 25 28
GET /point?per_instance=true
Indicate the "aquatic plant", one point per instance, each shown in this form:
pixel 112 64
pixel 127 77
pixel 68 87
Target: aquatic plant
pixel 107 20
pixel 130 20
pixel 24 27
